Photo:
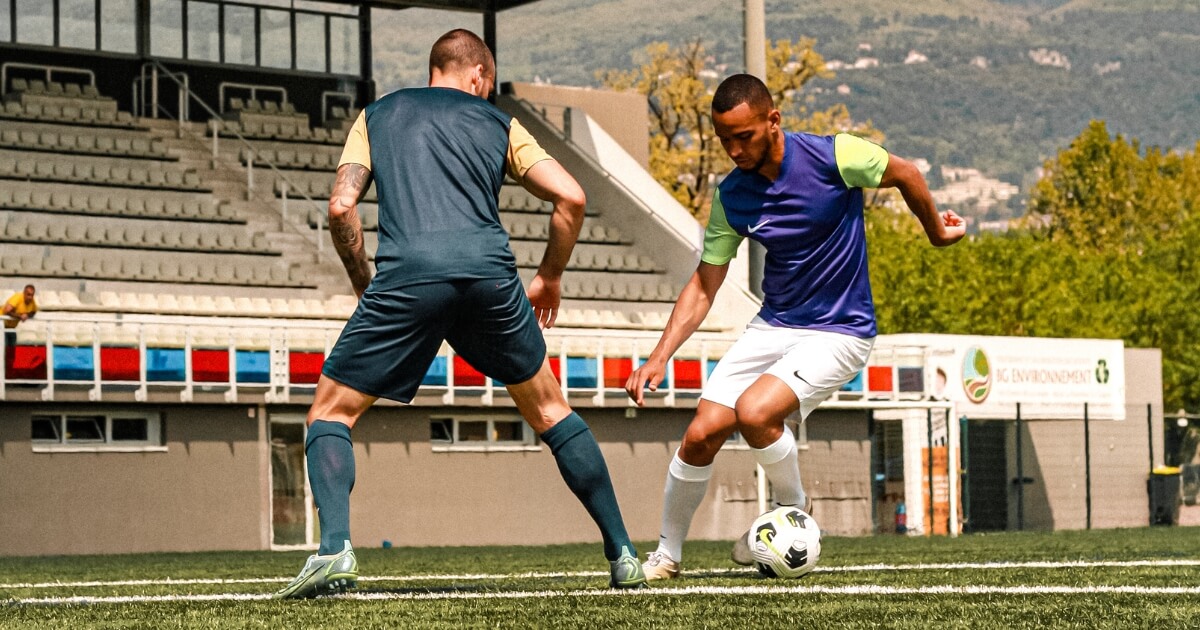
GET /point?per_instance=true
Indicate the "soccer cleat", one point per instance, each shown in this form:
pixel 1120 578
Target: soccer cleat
pixel 323 575
pixel 626 571
pixel 660 566
pixel 741 553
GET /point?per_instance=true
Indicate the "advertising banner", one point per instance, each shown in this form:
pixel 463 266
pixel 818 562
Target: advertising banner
pixel 1050 378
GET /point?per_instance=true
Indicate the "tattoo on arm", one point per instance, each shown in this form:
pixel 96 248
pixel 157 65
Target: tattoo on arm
pixel 345 225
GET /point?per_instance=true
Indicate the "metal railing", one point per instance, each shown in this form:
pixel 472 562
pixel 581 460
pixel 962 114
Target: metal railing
pixel 583 357
pixel 215 120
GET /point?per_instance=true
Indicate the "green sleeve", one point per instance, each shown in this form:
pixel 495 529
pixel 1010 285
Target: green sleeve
pixel 720 241
pixel 860 162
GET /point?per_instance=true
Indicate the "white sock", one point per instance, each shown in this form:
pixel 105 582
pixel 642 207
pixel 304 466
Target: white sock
pixel 686 487
pixel 783 469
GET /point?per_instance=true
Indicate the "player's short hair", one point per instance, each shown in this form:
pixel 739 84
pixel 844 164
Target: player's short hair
pixel 28 287
pixel 459 49
pixel 741 88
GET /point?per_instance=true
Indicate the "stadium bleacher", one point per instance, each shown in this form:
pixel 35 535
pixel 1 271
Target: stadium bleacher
pixel 118 215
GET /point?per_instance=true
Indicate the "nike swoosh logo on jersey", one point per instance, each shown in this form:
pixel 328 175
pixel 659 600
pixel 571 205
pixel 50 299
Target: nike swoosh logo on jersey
pixel 755 228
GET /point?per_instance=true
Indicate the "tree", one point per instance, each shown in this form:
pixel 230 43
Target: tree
pixel 685 154
pixel 1118 260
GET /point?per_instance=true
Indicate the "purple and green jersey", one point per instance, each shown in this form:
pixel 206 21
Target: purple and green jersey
pixel 810 221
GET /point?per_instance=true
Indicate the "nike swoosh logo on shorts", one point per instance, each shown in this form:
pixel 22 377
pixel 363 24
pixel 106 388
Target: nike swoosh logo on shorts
pixel 755 228
pixel 797 375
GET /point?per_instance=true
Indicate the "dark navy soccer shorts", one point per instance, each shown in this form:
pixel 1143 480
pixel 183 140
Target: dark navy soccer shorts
pixel 393 336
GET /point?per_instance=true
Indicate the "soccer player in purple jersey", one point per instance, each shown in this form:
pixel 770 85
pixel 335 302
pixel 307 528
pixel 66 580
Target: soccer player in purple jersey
pixel 801 196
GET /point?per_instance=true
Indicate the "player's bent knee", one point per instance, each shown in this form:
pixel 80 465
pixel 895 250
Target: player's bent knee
pixel 700 446
pixel 752 413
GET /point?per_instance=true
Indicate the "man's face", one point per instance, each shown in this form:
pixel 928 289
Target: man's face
pixel 28 294
pixel 747 134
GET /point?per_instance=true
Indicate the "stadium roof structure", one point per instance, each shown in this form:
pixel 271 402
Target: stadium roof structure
pixel 477 6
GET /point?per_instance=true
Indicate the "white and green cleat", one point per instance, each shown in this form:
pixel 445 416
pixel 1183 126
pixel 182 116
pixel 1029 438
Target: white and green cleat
pixel 660 566
pixel 323 575
pixel 626 571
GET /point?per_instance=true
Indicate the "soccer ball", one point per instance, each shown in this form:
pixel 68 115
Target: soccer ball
pixel 785 542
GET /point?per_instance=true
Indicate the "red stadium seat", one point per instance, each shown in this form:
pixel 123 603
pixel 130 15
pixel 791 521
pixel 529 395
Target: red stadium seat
pixel 879 378
pixel 465 375
pixel 556 369
pixel 616 372
pixel 26 363
pixel 210 366
pixel 119 364
pixel 304 368
pixel 687 373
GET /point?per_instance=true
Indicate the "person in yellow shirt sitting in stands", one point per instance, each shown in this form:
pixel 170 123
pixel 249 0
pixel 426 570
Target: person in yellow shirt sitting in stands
pixel 20 307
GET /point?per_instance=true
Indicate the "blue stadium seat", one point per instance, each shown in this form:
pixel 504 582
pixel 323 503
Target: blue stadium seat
pixel 581 372
pixel 436 375
pixel 165 364
pixel 74 363
pixel 253 366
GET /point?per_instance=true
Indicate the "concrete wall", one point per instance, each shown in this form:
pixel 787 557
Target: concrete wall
pixel 409 494
pixel 624 115
pixel 836 469
pixel 207 491
pixel 1054 458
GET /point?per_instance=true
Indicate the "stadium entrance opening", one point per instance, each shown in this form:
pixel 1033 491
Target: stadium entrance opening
pixel 292 514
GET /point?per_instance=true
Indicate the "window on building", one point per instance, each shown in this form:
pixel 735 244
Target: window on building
pixel 275 28
pixel 35 22
pixel 481 433
pixel 239 35
pixel 117 26
pixel 343 45
pixel 310 39
pixel 166 28
pixel 203 32
pixel 96 431
pixel 77 23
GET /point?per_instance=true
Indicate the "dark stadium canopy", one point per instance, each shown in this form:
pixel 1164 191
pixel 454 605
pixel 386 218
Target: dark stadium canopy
pixel 478 6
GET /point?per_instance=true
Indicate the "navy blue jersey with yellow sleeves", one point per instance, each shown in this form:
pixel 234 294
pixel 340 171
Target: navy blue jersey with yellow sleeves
pixel 438 157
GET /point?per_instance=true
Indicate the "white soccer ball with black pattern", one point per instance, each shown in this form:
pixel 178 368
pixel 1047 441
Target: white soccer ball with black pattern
pixel 785 542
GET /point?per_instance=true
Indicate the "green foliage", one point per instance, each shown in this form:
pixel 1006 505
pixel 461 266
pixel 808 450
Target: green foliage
pixel 1117 260
pixel 686 156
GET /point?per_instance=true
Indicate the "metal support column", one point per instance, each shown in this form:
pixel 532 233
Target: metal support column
pixel 1150 432
pixel 929 453
pixel 756 64
pixel 1087 462
pixel 1020 476
pixel 489 38
pixel 964 441
pixel 366 83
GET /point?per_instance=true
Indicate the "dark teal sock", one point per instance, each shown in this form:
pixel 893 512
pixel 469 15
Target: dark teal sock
pixel 331 476
pixel 582 467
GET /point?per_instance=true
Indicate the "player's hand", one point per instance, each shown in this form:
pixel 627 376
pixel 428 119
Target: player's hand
pixel 952 230
pixel 648 375
pixel 545 295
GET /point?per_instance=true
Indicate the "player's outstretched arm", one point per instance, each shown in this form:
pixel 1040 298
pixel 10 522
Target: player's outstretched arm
pixel 345 226
pixel 942 229
pixel 549 181
pixel 692 306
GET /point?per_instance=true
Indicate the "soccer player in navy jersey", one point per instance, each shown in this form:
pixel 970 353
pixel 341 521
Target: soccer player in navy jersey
pixel 445 272
pixel 800 196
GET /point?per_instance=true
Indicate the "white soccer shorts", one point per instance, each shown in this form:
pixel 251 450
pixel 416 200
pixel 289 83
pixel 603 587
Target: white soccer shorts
pixel 814 363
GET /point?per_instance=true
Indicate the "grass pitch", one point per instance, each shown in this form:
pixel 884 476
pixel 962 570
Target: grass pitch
pixel 1099 579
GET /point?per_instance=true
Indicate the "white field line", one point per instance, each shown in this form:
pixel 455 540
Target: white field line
pixel 687 590
pixel 472 577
